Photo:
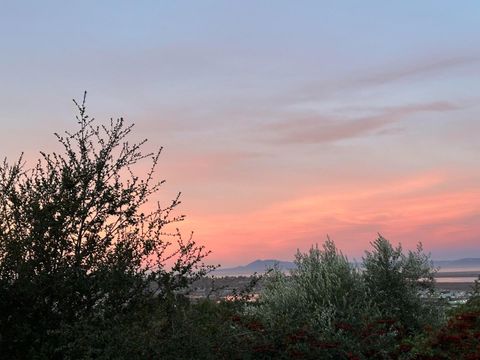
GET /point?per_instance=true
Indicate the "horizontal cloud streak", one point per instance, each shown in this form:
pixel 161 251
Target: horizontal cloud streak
pixel 415 69
pixel 387 75
pixel 324 130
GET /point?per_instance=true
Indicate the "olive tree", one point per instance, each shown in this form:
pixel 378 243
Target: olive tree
pixel 79 238
pixel 328 307
pixel 321 292
pixel 401 284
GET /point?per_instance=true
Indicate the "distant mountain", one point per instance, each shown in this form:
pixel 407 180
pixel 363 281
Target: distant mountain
pixel 260 266
pixel 467 263
pixel 257 266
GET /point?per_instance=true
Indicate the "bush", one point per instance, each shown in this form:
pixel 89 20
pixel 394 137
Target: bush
pixel 329 308
pixel 401 285
pixel 320 303
pixel 323 289
pixel 458 338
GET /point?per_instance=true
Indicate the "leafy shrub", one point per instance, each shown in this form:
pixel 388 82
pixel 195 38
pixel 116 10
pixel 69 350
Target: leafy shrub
pixel 318 306
pixel 459 338
pixel 401 285
pixel 329 308
pixel 322 290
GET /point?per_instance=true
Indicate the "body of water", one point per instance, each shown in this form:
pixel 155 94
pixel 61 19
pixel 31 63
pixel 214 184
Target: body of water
pixel 454 279
pixel 457 274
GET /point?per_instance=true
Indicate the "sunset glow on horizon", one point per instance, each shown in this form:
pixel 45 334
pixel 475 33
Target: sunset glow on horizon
pixel 281 124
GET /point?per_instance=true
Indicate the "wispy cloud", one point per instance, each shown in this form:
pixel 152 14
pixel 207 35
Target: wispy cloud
pixel 396 72
pixel 414 70
pixel 318 129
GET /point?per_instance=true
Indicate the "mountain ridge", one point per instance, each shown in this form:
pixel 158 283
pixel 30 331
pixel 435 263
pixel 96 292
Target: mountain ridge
pixel 262 265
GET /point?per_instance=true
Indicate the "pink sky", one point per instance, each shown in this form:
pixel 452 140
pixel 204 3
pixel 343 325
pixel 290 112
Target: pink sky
pixel 281 123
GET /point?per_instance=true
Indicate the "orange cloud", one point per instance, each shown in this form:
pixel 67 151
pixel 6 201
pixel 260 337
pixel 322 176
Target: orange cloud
pixel 408 210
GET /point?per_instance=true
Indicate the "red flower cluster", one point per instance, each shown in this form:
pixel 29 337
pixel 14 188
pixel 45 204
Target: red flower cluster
pixel 460 338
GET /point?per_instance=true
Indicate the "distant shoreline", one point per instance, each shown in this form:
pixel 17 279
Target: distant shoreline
pixel 473 274
pixel 441 274
pixel 454 286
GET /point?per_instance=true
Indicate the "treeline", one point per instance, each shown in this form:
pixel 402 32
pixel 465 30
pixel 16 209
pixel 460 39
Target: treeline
pixel 89 271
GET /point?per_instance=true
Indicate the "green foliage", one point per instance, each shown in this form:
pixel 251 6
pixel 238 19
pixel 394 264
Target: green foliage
pixel 458 338
pixel 317 308
pixel 334 310
pixel 78 245
pixel 395 281
pixel 318 292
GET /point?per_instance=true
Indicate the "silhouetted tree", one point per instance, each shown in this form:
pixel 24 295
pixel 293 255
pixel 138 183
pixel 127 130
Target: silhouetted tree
pixel 79 241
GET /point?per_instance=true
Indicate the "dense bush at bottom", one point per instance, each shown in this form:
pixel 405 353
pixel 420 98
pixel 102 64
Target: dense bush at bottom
pixel 237 330
pixel 325 309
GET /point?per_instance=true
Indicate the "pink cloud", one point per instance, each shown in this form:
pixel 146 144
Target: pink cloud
pixel 323 129
pixel 417 208
pixel 416 69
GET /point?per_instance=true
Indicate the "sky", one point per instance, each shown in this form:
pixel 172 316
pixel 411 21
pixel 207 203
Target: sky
pixel 282 122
